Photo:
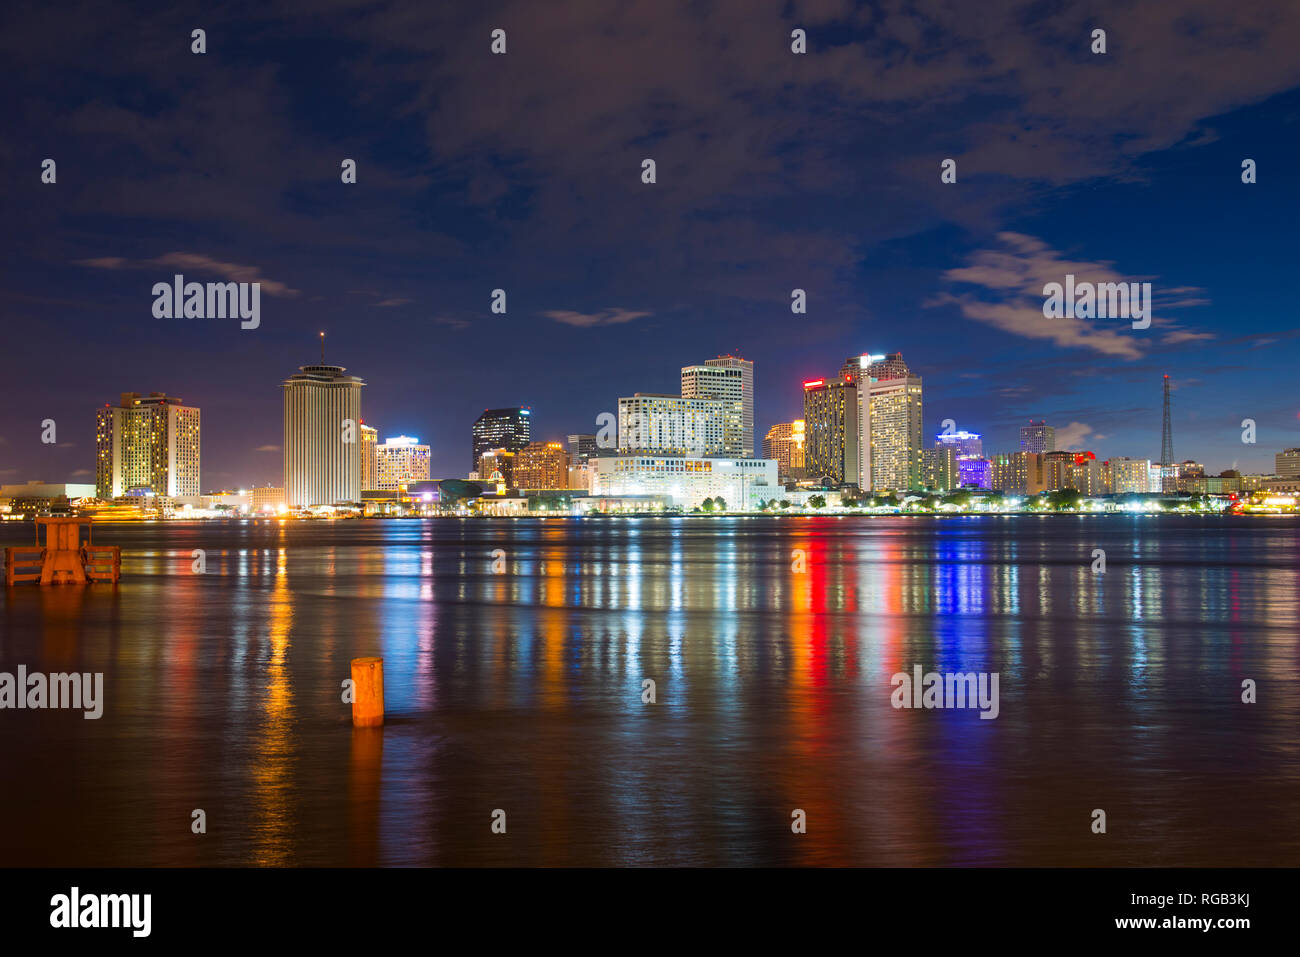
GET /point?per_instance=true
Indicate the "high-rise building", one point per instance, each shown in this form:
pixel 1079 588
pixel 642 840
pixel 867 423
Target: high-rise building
pixel 671 424
pixel 973 472
pixel 542 465
pixel 1037 437
pixel 497 466
pixel 830 413
pixel 967 445
pixel 1129 476
pixel 1286 463
pixel 322 436
pixel 582 448
pixel 509 429
pixel 147 442
pixel 889 420
pixel 939 470
pixel 369 466
pixel 1010 471
pixel 400 461
pixel 894 425
pixel 730 379
pixel 785 444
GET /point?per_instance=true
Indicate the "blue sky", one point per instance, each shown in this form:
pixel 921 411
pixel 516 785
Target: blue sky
pixel 774 171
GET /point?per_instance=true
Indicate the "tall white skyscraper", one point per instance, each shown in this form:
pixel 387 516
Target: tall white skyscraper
pixel 322 436
pixel 730 379
pixel 147 442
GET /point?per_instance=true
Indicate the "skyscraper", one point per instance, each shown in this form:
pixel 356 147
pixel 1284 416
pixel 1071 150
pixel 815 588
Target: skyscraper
pixel 582 448
pixel 731 379
pixel 369 466
pixel 894 420
pixel 400 461
pixel 509 429
pixel 785 444
pixel 830 412
pixel 1037 437
pixel 147 442
pixel 889 421
pixel 965 444
pixel 322 436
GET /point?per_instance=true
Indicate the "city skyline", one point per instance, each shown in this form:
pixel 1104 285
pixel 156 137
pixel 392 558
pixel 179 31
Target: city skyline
pixel 461 191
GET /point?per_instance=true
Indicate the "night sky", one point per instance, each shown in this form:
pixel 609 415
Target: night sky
pixel 775 171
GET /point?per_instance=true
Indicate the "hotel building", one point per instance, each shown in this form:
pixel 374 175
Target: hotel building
pixel 830 413
pixel 400 461
pixel 322 437
pixel 147 442
pixel 730 379
pixel 542 465
pixel 671 425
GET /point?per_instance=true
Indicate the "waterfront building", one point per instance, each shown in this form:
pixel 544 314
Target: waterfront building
pixel 322 437
pixel 400 461
pixel 147 442
pixel 686 480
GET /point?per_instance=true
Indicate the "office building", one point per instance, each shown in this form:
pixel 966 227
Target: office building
pixel 830 413
pixel 730 379
pixel 541 465
pixel 497 467
pixel 974 472
pixel 147 443
pixel 400 461
pixel 785 444
pixel 582 448
pixel 671 424
pixel 1037 437
pixel 322 436
pixel 509 429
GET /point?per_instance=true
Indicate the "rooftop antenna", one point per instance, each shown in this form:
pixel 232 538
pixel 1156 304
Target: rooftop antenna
pixel 322 348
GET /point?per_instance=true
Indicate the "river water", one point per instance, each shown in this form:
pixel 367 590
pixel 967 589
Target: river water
pixel 515 652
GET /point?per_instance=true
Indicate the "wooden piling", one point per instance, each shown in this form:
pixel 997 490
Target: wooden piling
pixel 367 692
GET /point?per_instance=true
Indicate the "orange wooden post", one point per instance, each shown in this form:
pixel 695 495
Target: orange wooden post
pixel 63 551
pixel 367 692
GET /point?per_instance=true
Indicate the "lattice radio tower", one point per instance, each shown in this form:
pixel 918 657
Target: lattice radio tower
pixel 1168 483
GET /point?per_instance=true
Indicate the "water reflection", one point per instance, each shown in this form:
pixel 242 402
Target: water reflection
pixel 515 655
